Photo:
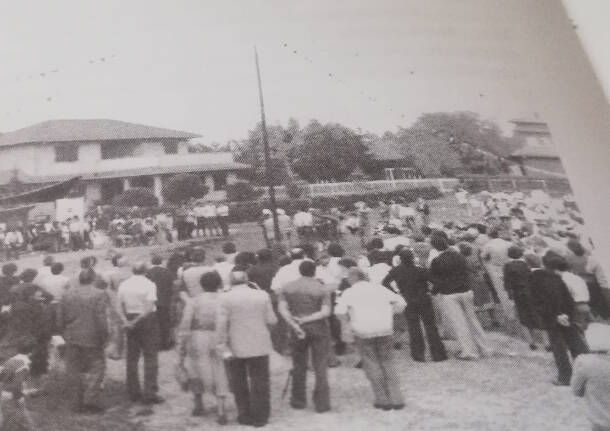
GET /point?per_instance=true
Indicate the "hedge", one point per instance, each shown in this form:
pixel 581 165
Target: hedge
pixel 251 211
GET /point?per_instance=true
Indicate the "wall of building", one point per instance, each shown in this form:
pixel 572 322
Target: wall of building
pixel 39 159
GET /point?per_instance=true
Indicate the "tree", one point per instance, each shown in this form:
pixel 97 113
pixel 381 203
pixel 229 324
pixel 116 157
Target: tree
pixel 241 191
pixel 182 187
pixel 328 152
pixel 136 196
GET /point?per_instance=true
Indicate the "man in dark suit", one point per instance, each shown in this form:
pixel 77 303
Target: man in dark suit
pixel 243 334
pixel 164 280
pixel 554 305
pixel 83 324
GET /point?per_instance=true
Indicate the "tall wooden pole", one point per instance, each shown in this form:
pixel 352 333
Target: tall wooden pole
pixel 268 171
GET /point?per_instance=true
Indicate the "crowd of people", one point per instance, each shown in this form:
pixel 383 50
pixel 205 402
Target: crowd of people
pixel 522 264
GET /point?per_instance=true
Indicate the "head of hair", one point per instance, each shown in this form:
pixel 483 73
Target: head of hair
pixel 264 255
pixel 229 248
pixel 245 259
pixel 297 253
pixel 375 244
pixel 439 242
pixel 307 268
pixel 48 260
pixel 335 250
pixel 515 252
pixel 238 276
pixel 347 262
pixel 465 249
pixel 9 269
pixel 210 281
pixel 375 256
pixel 88 262
pixel 576 247
pixel 355 274
pixel 406 257
pixel 284 260
pixel 309 250
pixel 554 261
pixel 533 260
pixel 87 276
pixel 197 255
pixel 28 275
pixel 425 230
pixel 57 268
pixel 156 260
pixel 494 233
pixel 139 268
pixel 116 259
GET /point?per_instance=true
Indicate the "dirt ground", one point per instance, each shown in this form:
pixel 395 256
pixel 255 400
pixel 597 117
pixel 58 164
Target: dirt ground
pixel 510 391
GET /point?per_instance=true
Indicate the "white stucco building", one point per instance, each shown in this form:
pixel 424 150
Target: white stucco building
pixel 110 156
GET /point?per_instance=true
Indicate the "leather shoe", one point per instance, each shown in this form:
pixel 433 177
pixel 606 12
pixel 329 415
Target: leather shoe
pixel 385 407
pixel 153 400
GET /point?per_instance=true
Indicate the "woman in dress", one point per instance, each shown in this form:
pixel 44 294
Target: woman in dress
pixel 197 346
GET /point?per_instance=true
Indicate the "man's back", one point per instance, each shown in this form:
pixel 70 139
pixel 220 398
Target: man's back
pixel 306 296
pixel 448 272
pixel 591 379
pixel 192 276
pixel 244 314
pixel 82 316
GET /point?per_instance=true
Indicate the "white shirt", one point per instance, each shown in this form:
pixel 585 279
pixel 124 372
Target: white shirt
pixel 286 274
pixel 56 285
pixel 392 242
pixel 224 269
pixel 303 219
pixel 208 211
pixel 199 211
pixel 371 309
pixel 378 272
pixel 406 212
pixel 222 211
pixel 577 286
pixel 135 293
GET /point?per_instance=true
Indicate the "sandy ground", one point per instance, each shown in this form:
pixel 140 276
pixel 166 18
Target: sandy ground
pixel 510 391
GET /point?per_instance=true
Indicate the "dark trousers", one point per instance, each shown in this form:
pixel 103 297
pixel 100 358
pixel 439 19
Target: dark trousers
pixel 143 339
pixel 319 345
pixel 223 221
pixel 85 367
pixel 249 379
pixel 335 334
pixel 562 340
pixel 422 312
pixel 165 327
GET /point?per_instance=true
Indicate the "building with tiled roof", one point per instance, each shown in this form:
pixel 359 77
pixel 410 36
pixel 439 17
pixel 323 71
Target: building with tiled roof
pixel 110 156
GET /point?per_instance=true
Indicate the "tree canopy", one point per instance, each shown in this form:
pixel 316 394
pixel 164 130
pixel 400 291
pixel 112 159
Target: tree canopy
pixel 183 187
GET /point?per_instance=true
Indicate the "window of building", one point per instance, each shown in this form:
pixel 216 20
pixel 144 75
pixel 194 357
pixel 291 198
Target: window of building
pixel 170 147
pixel 220 181
pixel 66 152
pixel 118 150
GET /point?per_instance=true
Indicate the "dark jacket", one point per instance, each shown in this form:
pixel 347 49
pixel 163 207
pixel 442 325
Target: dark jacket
pixel 516 278
pixel 412 282
pixel 550 297
pixel 449 273
pixel 164 280
pixel 81 316
pixel 262 274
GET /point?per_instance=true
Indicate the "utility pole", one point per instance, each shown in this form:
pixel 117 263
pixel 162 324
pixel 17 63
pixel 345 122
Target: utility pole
pixel 268 172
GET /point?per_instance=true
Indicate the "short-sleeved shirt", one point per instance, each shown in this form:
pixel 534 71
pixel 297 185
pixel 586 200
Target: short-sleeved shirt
pixel 192 277
pixel 306 296
pixel 135 293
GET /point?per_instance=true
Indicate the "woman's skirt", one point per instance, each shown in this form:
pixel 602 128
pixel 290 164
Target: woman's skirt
pixel 205 367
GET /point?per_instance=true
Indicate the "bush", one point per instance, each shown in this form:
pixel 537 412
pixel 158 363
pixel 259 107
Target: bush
pixel 242 191
pixel 294 190
pixel 137 196
pixel 183 187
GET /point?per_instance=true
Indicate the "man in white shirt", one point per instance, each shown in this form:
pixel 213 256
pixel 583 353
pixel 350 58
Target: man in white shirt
pixel 289 273
pixel 303 223
pixel 137 298
pixel 209 218
pixel 495 256
pixel 222 215
pixel 580 294
pixel 56 283
pixel 371 308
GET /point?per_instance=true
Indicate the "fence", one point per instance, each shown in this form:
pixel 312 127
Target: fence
pixel 444 185
pixel 554 186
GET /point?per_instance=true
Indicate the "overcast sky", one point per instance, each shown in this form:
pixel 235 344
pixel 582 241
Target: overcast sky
pixel 189 64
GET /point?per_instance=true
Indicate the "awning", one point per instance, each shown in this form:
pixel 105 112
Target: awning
pixel 41 194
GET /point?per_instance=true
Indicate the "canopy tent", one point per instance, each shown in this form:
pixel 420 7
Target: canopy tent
pixel 47 193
